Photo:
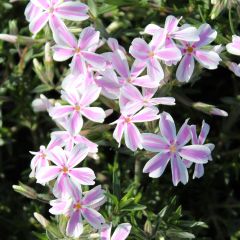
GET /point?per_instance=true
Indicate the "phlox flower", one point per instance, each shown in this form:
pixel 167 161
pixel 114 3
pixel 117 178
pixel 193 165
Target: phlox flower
pixel 79 106
pixel 40 158
pixel 82 51
pixel 138 100
pixel 172 32
pixel 150 55
pixel 39 12
pixel 199 169
pixel 234 46
pixel 114 45
pixel 126 125
pixel 235 68
pixel 121 232
pixel 195 51
pixel 80 206
pixel 64 169
pixel 171 147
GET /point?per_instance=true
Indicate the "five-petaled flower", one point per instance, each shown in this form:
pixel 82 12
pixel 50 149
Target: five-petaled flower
pixel 194 51
pixel 77 207
pixel 171 146
pixel 64 169
pixel 39 12
pixel 79 105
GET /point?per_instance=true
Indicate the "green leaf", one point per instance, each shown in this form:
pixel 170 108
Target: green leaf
pixel 175 234
pixel 133 207
pixel 42 88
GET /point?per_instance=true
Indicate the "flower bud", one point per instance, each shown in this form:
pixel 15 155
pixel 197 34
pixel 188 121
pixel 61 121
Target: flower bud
pixel 25 190
pixel 209 109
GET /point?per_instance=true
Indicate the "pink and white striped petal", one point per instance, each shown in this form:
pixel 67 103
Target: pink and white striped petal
pixel 62 53
pixel 75 226
pixel 60 111
pixel 195 153
pixel 44 4
pixel 77 155
pixel 167 127
pixel 122 231
pixel 74 11
pixel 179 171
pixel 94 197
pixel 139 49
pixel 208 59
pixel 47 174
pixel 95 114
pixel 132 136
pixel 38 22
pixel 185 68
pixel 120 63
pixel 94 218
pixel 157 165
pixel 58 156
pixel 83 176
pixel 146 115
pixel 154 143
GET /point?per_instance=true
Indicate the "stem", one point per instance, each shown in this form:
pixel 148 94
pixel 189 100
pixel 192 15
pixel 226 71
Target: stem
pixel 137 170
pixel 230 21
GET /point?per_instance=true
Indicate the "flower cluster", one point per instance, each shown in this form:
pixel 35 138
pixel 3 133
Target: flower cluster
pixel 132 81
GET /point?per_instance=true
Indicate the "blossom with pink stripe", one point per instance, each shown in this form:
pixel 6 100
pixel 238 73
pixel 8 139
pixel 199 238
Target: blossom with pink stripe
pixel 172 147
pixel 64 169
pixel 79 106
pixel 39 12
pixel 82 51
pixel 194 51
pixel 77 207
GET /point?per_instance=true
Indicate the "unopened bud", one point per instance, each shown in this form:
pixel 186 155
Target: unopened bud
pixel 8 38
pixel 41 219
pixel 209 109
pixel 25 190
pixel 39 70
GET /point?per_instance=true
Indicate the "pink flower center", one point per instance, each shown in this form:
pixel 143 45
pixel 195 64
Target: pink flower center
pixel 129 80
pixel 43 155
pixel 173 148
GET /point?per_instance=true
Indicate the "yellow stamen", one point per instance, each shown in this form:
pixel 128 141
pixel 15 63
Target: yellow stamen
pixel 77 108
pixel 173 149
pixel 190 49
pixel 151 54
pixel 78 50
pixel 65 169
pixel 77 206
pixel 127 119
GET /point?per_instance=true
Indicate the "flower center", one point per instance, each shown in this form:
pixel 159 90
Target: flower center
pixel 173 148
pixel 129 80
pixel 43 155
pixel 151 54
pixel 77 108
pixel 190 49
pixel 78 50
pixel 51 9
pixel 77 206
pixel 65 169
pixel 127 119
